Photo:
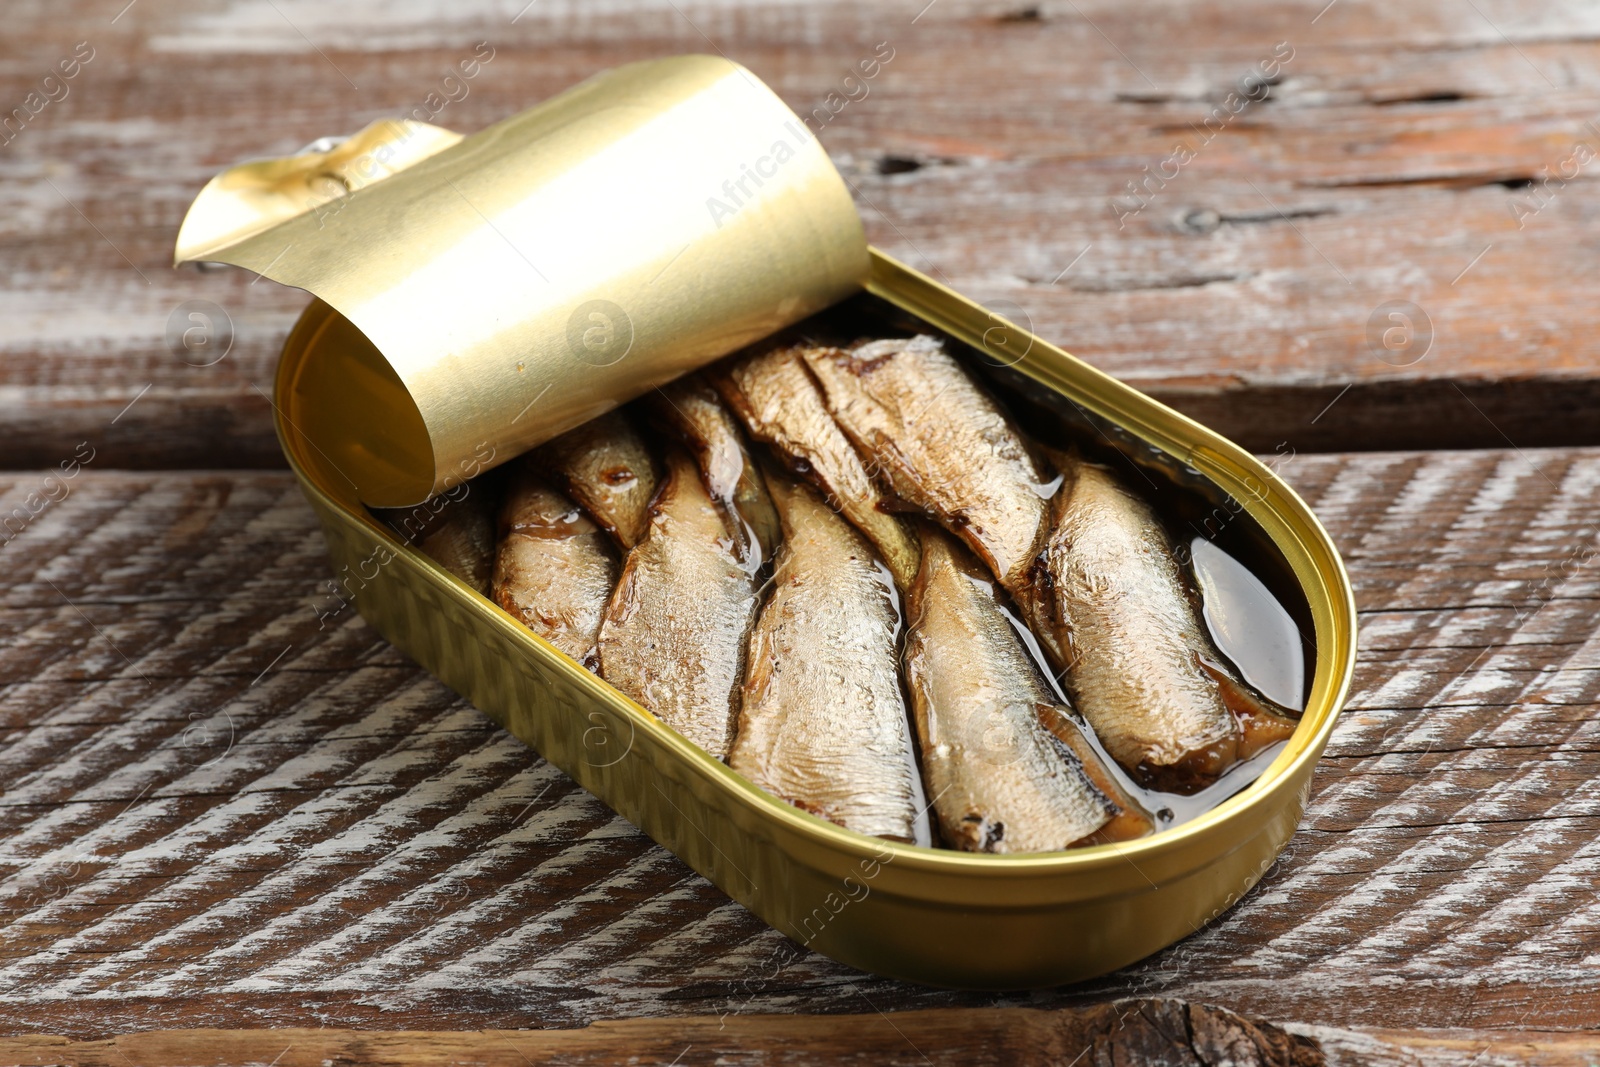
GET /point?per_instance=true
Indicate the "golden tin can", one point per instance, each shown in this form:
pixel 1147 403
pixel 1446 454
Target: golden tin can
pixel 941 917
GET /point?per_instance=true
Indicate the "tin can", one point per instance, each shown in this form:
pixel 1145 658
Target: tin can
pixel 933 916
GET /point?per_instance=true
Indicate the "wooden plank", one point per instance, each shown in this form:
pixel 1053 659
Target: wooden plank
pixel 1152 1033
pixel 227 804
pixel 1158 1033
pixel 1391 162
pixel 1451 1048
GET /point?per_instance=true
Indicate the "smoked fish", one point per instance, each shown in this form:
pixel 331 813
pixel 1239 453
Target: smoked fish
pixel 1140 664
pixel 455 529
pixel 675 630
pixel 1008 770
pixel 780 403
pixel 823 721
pixel 606 466
pixel 691 408
pixel 942 445
pixel 555 568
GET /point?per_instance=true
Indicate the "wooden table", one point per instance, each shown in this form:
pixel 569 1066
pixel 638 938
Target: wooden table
pixel 230 834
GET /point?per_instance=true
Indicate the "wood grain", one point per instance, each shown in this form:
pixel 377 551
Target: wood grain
pixel 225 807
pixel 1390 162
pixel 1151 1033
pixel 226 804
pixel 1155 1033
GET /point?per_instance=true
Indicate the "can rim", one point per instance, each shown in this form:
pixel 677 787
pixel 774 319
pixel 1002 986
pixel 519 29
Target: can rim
pixel 1281 512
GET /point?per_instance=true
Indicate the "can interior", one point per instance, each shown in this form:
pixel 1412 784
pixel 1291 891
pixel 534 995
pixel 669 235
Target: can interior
pixel 1189 504
pixel 1188 501
pixel 1050 391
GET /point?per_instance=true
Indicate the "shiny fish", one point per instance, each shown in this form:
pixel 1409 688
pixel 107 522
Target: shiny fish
pixel 1141 666
pixel 692 409
pixel 606 466
pixel 675 630
pixel 942 444
pixel 1008 771
pixel 555 568
pixel 454 529
pixel 823 722
pixel 778 400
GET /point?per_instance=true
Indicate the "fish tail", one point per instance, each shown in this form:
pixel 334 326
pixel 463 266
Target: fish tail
pixel 1127 818
pixel 1262 720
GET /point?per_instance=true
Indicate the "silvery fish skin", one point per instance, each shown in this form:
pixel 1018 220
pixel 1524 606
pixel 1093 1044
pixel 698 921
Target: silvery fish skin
pixel 995 751
pixel 459 535
pixel 823 720
pixel 692 409
pixel 1141 666
pixel 1131 819
pixel 606 466
pixel 943 446
pixel 555 568
pixel 779 401
pixel 676 628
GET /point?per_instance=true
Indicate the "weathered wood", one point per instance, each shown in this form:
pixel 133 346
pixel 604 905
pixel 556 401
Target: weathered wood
pixel 1453 1048
pixel 227 804
pixel 1151 1033
pixel 1154 1033
pixel 1391 162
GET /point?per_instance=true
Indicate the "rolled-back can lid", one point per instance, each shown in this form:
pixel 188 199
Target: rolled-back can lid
pixel 501 288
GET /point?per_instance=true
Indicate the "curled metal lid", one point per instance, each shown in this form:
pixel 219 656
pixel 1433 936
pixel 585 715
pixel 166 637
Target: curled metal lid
pixel 501 288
